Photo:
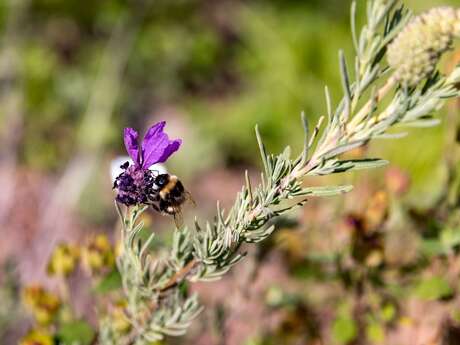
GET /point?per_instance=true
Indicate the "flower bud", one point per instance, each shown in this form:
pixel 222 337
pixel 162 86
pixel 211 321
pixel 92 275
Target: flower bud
pixel 416 50
pixel 119 319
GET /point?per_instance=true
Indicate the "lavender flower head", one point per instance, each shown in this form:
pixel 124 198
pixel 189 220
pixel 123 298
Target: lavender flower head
pixel 135 185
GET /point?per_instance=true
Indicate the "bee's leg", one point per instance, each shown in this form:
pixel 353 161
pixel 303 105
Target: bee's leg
pixel 163 206
pixel 155 207
pixel 154 196
pixel 189 197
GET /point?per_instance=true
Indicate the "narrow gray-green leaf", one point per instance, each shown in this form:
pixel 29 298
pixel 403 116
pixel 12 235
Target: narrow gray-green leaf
pixel 325 190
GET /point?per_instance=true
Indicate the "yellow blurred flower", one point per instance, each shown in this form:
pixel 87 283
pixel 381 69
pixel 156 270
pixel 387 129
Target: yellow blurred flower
pixel 377 211
pixel 98 254
pixel 119 319
pixel 37 338
pixel 118 248
pixel 374 258
pixel 146 219
pixel 41 303
pixel 63 260
pixel 294 243
pixel 405 321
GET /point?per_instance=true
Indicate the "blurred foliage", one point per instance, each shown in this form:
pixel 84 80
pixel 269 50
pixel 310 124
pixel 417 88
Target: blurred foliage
pixel 226 65
pixel 9 312
pixel 221 67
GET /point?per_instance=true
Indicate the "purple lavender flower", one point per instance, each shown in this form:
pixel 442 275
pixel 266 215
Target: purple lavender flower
pixel 155 148
pixel 136 184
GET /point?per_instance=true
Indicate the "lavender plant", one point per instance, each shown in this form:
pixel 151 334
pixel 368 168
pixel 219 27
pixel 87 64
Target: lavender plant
pixel 379 95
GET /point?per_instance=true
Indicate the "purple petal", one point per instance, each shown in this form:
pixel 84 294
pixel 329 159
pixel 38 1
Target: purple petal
pixel 131 144
pixel 156 147
pixel 172 147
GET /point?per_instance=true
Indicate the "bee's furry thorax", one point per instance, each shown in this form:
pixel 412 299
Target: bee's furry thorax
pixel 169 186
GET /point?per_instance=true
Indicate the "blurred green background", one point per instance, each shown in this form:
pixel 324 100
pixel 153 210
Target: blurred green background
pixel 212 68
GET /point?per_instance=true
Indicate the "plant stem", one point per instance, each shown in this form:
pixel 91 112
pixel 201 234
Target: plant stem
pixel 361 115
pixel 180 275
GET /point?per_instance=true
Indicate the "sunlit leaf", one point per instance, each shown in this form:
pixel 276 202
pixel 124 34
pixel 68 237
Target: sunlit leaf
pixel 431 247
pixel 375 332
pixel 388 312
pixel 77 332
pixel 450 237
pixel 110 282
pixel 344 330
pixel 433 288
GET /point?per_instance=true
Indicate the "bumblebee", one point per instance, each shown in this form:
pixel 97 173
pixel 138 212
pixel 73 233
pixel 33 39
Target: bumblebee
pixel 170 196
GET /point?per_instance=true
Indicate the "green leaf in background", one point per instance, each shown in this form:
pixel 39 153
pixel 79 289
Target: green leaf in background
pixel 344 329
pixel 450 238
pixel 388 312
pixel 433 288
pixel 254 341
pixel 110 282
pixel 431 247
pixel 375 333
pixel 76 332
pixel 455 315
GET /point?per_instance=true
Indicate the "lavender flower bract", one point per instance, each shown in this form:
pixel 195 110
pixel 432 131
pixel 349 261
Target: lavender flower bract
pixel 155 148
pixel 136 184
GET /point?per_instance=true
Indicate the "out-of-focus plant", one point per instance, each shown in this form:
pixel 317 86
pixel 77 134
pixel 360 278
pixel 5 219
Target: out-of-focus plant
pixel 37 338
pixel 54 317
pixel 9 294
pixel 63 260
pixel 98 254
pixel 43 304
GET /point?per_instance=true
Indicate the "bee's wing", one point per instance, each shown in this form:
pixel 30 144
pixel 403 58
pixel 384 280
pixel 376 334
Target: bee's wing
pixel 178 218
pixel 188 197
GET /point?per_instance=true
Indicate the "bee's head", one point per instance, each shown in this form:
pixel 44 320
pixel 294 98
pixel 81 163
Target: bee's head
pixel 162 180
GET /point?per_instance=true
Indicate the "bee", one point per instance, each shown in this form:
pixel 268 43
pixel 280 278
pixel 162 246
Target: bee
pixel 170 196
